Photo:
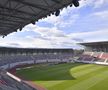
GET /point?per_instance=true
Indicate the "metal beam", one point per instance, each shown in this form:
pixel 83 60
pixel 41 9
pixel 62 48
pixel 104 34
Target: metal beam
pixel 59 2
pixel 15 10
pixel 2 24
pixel 10 20
pixel 7 23
pixel 56 1
pixel 32 5
pixel 5 27
pixel 9 15
pixel 2 28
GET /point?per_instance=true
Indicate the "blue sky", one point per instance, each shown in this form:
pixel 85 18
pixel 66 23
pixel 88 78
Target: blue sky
pixel 87 23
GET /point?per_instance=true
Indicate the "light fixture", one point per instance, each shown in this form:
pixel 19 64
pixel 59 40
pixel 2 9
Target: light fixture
pixel 76 3
pixel 52 13
pixel 3 36
pixel 20 28
pixel 57 13
pixel 70 5
pixel 33 22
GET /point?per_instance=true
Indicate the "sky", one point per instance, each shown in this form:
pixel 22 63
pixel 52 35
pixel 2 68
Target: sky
pixel 86 23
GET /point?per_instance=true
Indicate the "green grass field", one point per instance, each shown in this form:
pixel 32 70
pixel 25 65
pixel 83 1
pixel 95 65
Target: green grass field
pixel 73 76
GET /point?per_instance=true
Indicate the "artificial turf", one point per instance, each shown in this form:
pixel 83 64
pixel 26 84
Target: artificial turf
pixel 73 76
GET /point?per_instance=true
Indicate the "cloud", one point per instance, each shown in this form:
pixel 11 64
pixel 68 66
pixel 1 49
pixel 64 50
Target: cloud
pixel 101 14
pixel 60 21
pixel 51 37
pixel 100 3
pixel 44 37
pixel 99 35
pixel 67 17
pixel 93 3
pixel 71 26
pixel 45 31
pixel 14 44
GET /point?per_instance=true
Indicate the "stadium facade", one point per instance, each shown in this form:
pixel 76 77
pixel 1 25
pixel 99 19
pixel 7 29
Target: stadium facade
pixel 14 58
pixel 10 57
pixel 95 52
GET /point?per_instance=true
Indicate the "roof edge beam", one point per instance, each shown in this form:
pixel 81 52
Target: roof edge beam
pixel 56 1
pixel 17 11
pixel 32 5
pixel 14 16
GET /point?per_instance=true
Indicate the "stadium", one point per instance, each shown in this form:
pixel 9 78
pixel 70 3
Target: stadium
pixel 48 68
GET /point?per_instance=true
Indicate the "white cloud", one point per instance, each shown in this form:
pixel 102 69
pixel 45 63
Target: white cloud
pixel 100 3
pixel 54 41
pixel 93 3
pixel 60 21
pixel 99 35
pixel 52 37
pixel 45 31
pixel 70 13
pixel 45 38
pixel 101 14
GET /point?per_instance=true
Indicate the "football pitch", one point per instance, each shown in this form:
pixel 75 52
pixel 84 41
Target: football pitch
pixel 73 76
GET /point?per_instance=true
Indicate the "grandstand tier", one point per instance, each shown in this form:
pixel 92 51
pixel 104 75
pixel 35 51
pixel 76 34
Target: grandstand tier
pixel 95 52
pixel 11 82
pixel 14 58
pixel 10 57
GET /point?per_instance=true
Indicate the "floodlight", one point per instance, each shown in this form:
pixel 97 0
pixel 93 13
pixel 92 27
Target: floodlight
pixel 76 3
pixel 57 12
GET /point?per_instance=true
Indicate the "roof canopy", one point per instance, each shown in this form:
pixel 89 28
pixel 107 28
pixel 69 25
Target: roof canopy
pixel 15 14
pixel 36 50
pixel 90 44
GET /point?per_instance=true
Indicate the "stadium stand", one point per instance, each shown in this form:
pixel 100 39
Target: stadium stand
pixel 14 15
pixel 104 55
pixel 16 57
pixel 11 82
pixel 95 52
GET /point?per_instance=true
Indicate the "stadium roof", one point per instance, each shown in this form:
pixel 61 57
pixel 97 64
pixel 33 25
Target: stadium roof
pixel 95 43
pixel 15 14
pixel 15 50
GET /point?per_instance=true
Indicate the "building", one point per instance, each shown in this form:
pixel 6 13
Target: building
pixel 95 52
